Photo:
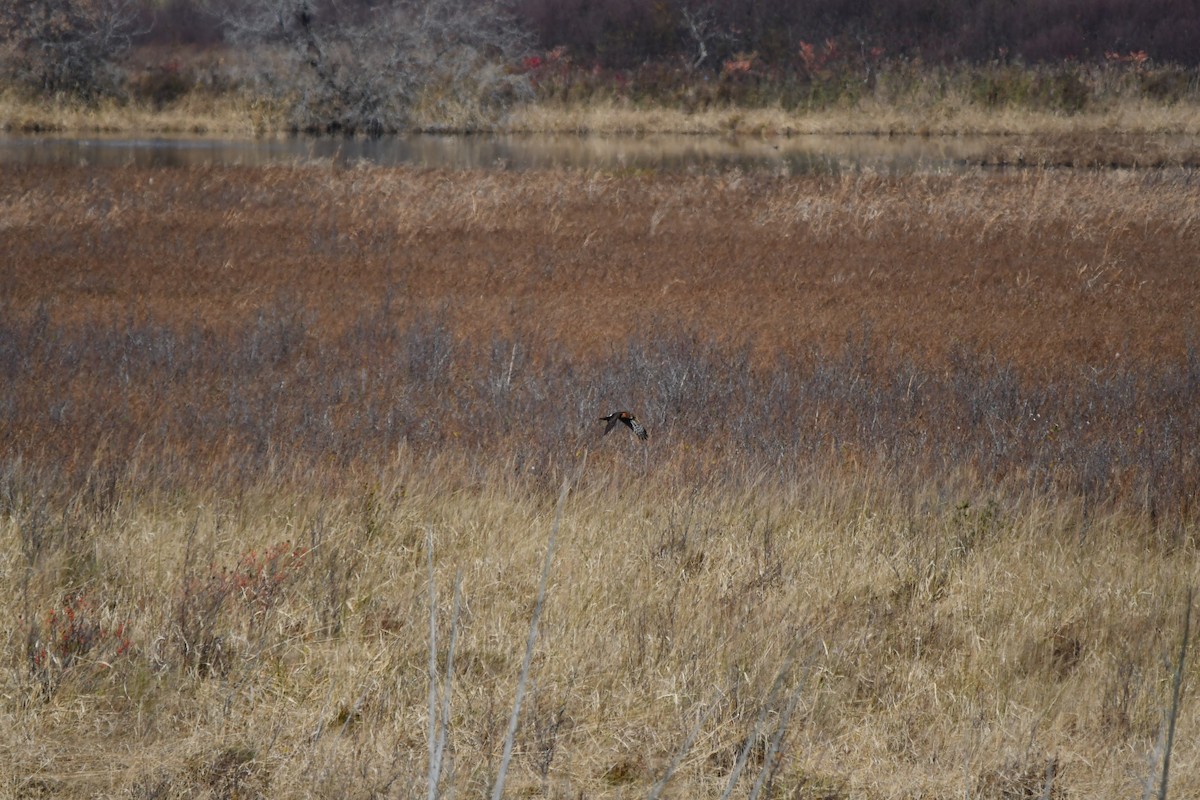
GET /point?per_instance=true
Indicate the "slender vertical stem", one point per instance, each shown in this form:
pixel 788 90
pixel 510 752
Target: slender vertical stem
pixel 498 789
pixel 434 766
pixel 1175 692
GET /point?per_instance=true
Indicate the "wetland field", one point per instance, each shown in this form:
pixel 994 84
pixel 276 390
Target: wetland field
pixel 283 447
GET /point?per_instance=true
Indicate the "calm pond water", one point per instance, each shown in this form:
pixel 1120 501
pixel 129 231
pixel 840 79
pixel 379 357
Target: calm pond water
pixel 799 154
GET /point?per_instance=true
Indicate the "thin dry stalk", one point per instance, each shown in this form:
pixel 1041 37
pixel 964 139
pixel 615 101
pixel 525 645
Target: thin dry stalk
pixel 686 748
pixel 1176 692
pixel 752 737
pixel 770 761
pixel 510 737
pixel 438 730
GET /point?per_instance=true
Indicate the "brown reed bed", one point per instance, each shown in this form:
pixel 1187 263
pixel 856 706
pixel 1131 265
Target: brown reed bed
pixel 1047 315
pixel 1038 268
pixel 922 459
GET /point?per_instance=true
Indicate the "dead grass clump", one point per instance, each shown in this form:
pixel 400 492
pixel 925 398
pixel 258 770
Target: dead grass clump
pixel 916 643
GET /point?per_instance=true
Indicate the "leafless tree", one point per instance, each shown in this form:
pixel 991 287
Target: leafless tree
pixel 67 46
pixel 702 30
pixel 355 67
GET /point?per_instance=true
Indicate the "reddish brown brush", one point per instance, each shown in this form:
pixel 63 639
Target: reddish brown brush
pixel 217 321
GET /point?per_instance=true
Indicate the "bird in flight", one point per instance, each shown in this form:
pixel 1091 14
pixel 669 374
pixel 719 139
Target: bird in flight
pixel 628 419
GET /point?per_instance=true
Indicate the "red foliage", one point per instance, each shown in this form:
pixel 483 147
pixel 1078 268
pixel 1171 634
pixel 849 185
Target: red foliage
pixel 70 631
pixel 258 578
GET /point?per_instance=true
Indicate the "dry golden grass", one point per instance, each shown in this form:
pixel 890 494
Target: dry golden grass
pixel 244 113
pixel 247 116
pixel 230 115
pixel 937 650
pixel 922 452
pixel 946 117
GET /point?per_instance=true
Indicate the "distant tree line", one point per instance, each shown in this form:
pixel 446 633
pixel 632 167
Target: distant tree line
pixel 336 66
pixel 375 65
pixel 623 33
pixel 620 34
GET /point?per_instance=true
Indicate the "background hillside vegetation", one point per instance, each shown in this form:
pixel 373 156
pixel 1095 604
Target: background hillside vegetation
pixel 350 67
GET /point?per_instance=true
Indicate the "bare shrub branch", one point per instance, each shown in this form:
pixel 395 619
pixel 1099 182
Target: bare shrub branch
pixel 69 47
pixel 342 67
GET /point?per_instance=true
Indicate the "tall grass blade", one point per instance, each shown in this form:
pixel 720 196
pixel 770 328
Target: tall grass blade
pixel 1048 782
pixel 438 731
pixel 1177 686
pixel 431 732
pixel 1160 744
pixel 502 773
pixel 686 748
pixel 776 742
pixel 752 737
pixel 440 750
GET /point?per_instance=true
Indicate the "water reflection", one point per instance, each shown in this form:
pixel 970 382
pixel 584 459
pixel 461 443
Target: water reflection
pixel 670 152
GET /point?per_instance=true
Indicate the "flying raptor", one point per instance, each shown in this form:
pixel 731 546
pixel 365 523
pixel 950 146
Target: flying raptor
pixel 629 420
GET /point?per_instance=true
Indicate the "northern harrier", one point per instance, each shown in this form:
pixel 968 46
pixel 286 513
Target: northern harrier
pixel 629 419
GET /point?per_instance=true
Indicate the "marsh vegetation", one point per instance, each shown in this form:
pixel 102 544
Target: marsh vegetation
pixel 916 516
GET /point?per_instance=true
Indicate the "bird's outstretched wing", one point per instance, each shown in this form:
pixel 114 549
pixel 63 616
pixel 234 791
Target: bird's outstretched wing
pixel 629 420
